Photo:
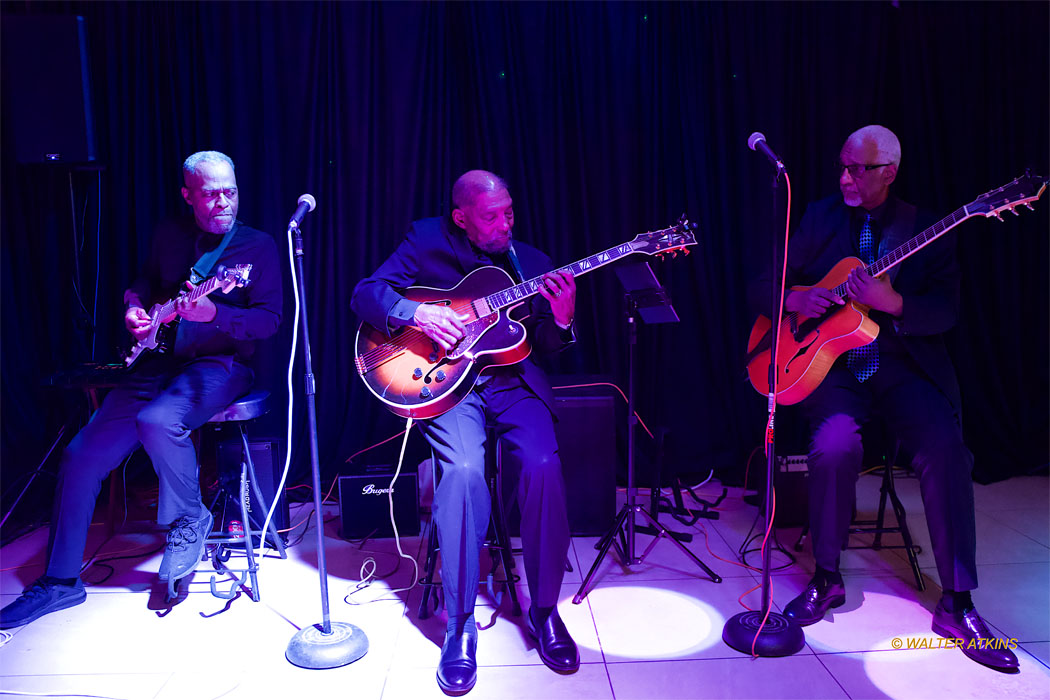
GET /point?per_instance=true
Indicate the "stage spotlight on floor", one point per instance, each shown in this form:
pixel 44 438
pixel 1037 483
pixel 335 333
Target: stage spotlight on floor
pixel 646 622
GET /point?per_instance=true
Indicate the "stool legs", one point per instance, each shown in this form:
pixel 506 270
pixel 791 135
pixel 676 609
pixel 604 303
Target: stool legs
pixel 223 541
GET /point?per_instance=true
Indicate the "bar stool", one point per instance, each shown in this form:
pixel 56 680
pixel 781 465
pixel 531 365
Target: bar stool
pixel 497 542
pixel 222 545
pixel 878 526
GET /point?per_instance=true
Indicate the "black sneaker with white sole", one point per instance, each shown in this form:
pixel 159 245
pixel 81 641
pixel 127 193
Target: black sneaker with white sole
pixel 41 597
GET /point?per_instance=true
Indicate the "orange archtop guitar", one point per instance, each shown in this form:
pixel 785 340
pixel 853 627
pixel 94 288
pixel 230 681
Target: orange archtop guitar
pixel 809 347
pixel 413 376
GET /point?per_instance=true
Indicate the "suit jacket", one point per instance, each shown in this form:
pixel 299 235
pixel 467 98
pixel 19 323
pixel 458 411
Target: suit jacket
pixel 928 280
pixel 433 254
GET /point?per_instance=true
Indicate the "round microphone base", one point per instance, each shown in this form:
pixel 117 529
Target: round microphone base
pixel 780 636
pixel 312 648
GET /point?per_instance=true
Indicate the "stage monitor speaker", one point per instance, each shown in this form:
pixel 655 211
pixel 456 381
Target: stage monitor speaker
pixel 47 89
pixel 586 432
pixel 364 508
pixel 268 465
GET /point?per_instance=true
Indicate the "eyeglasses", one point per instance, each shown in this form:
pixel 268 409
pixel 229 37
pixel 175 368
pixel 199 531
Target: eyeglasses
pixel 857 169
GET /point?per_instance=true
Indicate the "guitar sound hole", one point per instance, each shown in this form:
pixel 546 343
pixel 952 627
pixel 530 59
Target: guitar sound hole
pixel 427 379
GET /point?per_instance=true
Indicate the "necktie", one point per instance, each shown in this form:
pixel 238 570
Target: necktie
pixel 864 361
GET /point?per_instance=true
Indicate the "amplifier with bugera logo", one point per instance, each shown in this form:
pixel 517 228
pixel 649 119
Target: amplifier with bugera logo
pixel 364 506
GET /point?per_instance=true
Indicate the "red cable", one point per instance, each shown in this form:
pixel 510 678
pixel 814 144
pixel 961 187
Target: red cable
pixel 768 604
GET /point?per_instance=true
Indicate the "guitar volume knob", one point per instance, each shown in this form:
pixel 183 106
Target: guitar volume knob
pixel 440 376
pixel 424 393
pixel 417 373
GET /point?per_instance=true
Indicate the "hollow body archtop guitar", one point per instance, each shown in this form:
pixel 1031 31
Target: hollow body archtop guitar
pixel 413 376
pixel 808 347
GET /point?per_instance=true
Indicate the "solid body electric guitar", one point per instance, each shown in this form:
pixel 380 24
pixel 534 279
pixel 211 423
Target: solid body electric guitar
pixel 163 319
pixel 414 376
pixel 809 347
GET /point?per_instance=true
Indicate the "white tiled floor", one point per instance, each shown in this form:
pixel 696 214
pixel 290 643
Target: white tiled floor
pixel 648 631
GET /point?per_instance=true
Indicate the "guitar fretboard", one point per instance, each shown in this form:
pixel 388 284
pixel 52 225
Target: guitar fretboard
pixel 526 289
pixel 913 245
pixel 203 289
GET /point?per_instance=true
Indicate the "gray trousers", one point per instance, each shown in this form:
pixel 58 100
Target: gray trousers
pixel 462 503
pixel 158 410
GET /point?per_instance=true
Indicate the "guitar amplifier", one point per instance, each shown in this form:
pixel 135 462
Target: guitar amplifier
pixel 268 464
pixel 586 433
pixel 364 507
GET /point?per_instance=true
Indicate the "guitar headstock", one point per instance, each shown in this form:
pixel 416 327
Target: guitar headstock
pixel 235 276
pixel 1024 190
pixel 667 240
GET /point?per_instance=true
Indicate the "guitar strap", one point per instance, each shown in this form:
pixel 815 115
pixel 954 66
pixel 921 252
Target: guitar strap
pixel 202 268
pixel 513 257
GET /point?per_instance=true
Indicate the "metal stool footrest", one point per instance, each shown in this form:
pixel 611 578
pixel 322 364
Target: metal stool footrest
pixel 220 547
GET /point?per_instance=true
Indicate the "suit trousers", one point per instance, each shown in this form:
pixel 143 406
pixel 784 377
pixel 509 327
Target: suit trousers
pixel 462 502
pixel 156 408
pixel 927 425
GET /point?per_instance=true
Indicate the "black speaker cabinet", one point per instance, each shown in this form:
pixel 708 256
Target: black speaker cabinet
pixel 47 90
pixel 586 432
pixel 268 465
pixel 364 508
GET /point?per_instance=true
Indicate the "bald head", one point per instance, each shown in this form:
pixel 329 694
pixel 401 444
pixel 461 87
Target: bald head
pixel 869 160
pixel 472 183
pixel 482 207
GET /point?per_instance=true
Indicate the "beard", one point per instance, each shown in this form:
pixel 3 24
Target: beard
pixel 495 246
pixel 852 199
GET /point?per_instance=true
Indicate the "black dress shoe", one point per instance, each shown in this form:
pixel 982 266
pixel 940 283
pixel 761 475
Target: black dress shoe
pixel 556 648
pixel 458 669
pixel 812 604
pixel 973 638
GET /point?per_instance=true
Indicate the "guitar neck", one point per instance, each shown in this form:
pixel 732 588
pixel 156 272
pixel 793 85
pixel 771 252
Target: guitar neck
pixel 203 289
pixel 515 294
pixel 912 246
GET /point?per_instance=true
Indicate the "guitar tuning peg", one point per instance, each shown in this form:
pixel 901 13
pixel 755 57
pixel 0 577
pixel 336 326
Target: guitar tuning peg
pixel 674 254
pixel 998 216
pixel 1029 205
pixel 1013 210
pixel 685 251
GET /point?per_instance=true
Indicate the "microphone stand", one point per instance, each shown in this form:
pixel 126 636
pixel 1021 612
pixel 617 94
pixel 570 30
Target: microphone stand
pixel 328 645
pixel 764 632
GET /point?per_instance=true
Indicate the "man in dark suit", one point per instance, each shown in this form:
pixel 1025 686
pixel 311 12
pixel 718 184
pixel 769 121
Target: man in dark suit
pixel 904 375
pixel 517 398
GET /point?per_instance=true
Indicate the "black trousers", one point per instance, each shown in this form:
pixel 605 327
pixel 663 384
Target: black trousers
pixel 928 427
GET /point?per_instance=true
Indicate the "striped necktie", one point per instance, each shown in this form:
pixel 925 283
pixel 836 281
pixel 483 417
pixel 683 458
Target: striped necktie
pixel 864 361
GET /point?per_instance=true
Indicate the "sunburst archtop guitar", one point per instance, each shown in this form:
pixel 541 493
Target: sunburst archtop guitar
pixel 809 347
pixel 413 376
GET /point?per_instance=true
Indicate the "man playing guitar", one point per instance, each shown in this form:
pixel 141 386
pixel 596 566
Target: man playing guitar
pixel 167 396
pixel 904 375
pixel 517 398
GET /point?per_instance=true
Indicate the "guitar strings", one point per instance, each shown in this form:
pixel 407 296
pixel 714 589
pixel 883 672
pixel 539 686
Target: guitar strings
pixel 384 351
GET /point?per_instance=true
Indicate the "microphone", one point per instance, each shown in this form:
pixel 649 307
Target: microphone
pixel 757 143
pixel 307 203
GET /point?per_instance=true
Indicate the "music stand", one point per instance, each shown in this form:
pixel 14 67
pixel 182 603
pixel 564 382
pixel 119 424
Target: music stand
pixel 647 300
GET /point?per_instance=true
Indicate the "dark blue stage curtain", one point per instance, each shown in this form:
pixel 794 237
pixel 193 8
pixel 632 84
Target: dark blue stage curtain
pixel 607 119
